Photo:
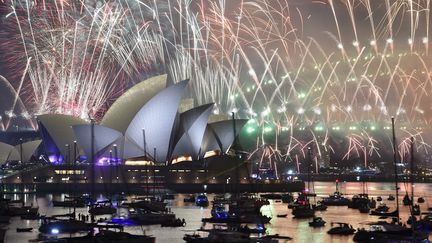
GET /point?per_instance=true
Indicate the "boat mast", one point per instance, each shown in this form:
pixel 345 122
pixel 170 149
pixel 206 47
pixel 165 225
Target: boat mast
pixel 309 168
pixel 412 186
pixel 154 171
pixel 92 164
pixel 395 168
pixel 365 168
pixel 146 160
pixel 75 170
pixel 235 156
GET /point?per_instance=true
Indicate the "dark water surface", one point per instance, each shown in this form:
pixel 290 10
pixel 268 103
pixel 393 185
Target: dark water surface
pixel 298 229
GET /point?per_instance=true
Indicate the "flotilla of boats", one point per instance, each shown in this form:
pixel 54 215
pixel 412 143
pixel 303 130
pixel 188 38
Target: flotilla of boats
pixel 231 218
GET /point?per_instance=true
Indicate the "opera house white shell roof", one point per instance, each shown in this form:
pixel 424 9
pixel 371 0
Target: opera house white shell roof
pixel 28 149
pixel 5 151
pixel 148 113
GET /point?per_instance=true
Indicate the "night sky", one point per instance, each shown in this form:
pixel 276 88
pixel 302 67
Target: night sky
pixel 328 73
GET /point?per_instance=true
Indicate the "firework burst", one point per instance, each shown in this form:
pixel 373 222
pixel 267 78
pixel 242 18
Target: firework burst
pixel 303 71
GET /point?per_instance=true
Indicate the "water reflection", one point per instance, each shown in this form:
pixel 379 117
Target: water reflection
pixel 296 228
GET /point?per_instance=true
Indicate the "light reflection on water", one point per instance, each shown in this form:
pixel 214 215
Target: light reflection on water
pixel 296 228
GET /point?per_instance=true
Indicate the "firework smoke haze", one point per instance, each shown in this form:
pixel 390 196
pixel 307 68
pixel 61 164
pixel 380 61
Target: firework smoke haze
pixel 290 65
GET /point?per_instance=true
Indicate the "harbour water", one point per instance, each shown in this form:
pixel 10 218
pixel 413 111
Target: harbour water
pixel 298 229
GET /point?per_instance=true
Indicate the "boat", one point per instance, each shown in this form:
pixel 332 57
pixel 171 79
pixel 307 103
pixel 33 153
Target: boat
pixel 341 229
pixel 406 200
pixel 237 211
pixel 143 217
pixel 202 200
pixel 64 216
pixel 420 200
pixel 232 234
pixel 282 215
pixel 24 229
pixel 216 236
pixel 389 232
pixel 317 222
pixel 336 199
pixel 239 219
pixel 302 208
pixel 358 201
pixel 302 199
pixel 303 211
pixel 259 229
pixel 364 208
pixel 20 211
pixel 174 223
pixel 102 208
pixel 64 226
pixel 382 208
pixel 246 205
pixel 319 207
pixel 416 210
pixel 271 239
pixel 108 236
pixel 411 219
pixel 153 206
pixel 394 213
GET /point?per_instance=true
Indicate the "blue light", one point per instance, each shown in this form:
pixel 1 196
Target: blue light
pixel 55 231
pixel 124 222
pixel 222 215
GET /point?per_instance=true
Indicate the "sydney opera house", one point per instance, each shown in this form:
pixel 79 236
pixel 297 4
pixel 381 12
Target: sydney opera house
pixel 151 135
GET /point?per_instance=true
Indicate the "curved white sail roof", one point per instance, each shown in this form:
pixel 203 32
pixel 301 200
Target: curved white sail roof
pixel 126 149
pixel 59 128
pixel 5 151
pixel 210 141
pixel 191 131
pixel 219 135
pixel 157 118
pixel 124 109
pixel 28 149
pixel 103 137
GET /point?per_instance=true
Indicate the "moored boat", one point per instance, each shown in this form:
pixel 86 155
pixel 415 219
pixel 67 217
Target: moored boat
pixel 389 232
pixel 65 226
pixel 317 222
pixel 341 229
pixel 336 199
pixel 108 236
pixel 394 213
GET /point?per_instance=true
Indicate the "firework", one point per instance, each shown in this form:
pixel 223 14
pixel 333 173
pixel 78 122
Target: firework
pixel 328 73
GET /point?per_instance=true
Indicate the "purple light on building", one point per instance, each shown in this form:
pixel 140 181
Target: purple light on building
pixel 53 158
pixel 106 161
